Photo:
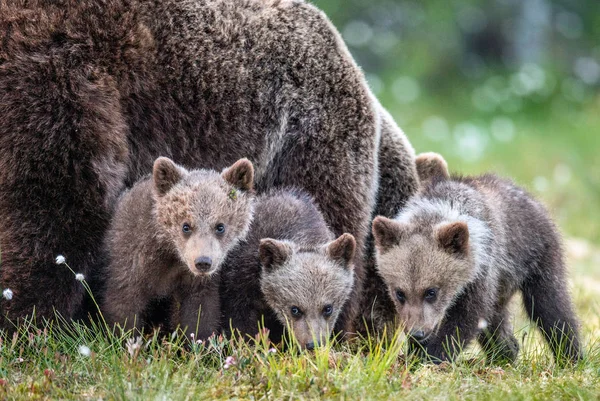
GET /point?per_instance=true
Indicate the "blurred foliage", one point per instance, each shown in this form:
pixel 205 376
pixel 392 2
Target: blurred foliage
pixel 439 38
pixel 508 86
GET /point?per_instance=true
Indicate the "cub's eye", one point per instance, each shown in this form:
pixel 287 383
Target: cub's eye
pixel 327 310
pixel 431 294
pixel 401 296
pixel 186 228
pixel 296 312
pixel 220 228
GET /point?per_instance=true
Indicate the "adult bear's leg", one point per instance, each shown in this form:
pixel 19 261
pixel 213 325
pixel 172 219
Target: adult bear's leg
pixel 397 171
pixel 397 182
pixel 63 154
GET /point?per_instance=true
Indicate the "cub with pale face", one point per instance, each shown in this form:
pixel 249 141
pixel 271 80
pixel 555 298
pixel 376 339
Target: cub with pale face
pixel 289 272
pixel 168 239
pixel 425 270
pixel 307 287
pixel 456 254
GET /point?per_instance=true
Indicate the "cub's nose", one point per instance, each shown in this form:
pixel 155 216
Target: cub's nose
pixel 203 263
pixel 417 335
pixel 310 346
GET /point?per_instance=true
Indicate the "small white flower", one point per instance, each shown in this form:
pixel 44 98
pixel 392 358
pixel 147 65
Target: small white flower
pixel 482 324
pixel 272 351
pixel 133 344
pixel 228 362
pixel 60 259
pixel 192 336
pixel 19 360
pixel 7 294
pixel 199 342
pixel 85 350
pixel 79 277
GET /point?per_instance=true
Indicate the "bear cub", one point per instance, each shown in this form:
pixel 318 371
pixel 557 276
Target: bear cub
pixel 288 271
pixel 455 255
pixel 168 239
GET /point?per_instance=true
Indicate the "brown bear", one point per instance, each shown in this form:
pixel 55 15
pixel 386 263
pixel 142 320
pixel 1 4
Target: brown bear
pixel 168 238
pixel 457 253
pixel 288 270
pixel 92 92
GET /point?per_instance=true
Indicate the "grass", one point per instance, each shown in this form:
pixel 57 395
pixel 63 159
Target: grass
pixel 552 153
pixel 79 362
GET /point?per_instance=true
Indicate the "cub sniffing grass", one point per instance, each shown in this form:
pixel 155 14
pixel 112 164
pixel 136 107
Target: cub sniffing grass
pixel 169 237
pixel 288 270
pixel 455 255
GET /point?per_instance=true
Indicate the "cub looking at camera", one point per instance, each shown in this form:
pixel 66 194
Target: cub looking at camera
pixel 168 238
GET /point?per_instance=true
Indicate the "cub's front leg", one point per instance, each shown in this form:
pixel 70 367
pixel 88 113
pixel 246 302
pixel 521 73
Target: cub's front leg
pixel 200 307
pixel 124 305
pixel 457 330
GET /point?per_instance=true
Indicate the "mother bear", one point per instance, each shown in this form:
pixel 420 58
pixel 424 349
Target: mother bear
pixel 92 91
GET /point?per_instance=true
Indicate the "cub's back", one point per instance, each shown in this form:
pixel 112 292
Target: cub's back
pixel 284 214
pixel 289 214
pixel 522 226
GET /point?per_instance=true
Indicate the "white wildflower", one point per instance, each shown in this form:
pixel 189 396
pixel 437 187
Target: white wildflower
pixel 482 324
pixel 7 294
pixel 272 351
pixel 228 362
pixel 60 259
pixel 79 277
pixel 133 345
pixel 199 342
pixel 85 350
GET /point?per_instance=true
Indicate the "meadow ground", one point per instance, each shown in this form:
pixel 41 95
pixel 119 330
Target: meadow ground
pixel 554 154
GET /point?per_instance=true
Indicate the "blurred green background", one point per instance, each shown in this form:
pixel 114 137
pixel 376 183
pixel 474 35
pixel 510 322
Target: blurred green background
pixel 509 86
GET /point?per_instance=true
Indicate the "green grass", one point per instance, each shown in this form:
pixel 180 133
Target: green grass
pixel 47 362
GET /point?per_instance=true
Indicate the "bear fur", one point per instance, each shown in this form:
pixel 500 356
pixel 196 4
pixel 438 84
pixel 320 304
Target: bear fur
pixel 92 92
pixel 456 254
pixel 431 166
pixel 398 181
pixel 289 269
pixel 168 239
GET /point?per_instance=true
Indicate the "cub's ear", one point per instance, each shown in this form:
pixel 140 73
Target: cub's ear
pixel 273 253
pixel 166 174
pixel 387 232
pixel 431 165
pixel 454 237
pixel 240 175
pixel 342 250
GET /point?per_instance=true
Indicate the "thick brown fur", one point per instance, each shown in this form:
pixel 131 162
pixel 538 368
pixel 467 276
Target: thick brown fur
pixel 91 92
pixel 456 254
pixel 289 259
pixel 168 238
pixel 397 183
